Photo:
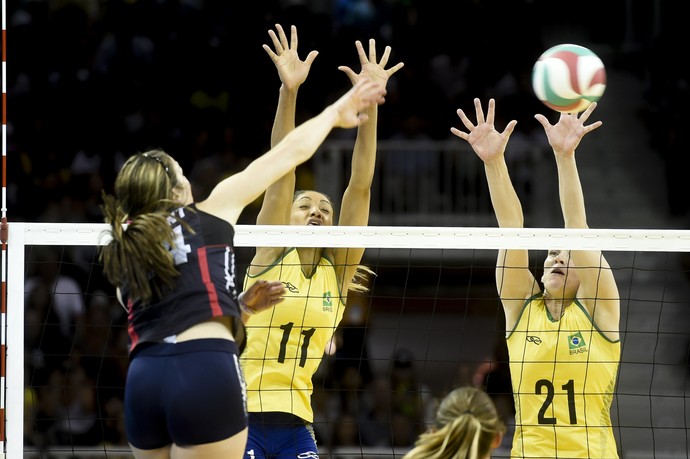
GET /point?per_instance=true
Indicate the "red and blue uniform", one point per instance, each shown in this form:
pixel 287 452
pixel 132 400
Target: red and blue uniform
pixel 159 407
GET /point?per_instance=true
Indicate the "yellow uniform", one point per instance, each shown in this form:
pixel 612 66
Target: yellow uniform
pixel 285 344
pixel 564 375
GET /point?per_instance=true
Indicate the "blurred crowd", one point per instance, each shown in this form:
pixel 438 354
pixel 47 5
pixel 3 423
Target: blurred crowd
pixel 75 353
pixel 90 82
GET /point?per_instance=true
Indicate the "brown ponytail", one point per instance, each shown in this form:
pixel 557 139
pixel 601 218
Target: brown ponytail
pixel 138 257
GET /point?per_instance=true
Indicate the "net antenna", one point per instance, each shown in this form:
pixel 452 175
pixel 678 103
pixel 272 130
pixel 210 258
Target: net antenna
pixel 3 241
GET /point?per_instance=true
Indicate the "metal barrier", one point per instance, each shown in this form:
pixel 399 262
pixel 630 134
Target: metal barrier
pixel 437 183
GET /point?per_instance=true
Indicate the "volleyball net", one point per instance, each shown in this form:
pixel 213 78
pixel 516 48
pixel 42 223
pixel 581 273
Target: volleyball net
pixel 430 322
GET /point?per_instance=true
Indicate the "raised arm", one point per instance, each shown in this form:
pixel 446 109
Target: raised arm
pixel 275 208
pixel 229 198
pixel 354 208
pixel 598 291
pixel 514 281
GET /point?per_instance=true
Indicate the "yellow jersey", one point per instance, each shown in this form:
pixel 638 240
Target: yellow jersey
pixel 564 375
pixel 286 343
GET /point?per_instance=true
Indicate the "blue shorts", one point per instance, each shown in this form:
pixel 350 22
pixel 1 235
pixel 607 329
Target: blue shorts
pixel 280 436
pixel 185 393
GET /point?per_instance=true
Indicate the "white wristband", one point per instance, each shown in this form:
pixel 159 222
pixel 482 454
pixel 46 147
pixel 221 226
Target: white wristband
pixel 243 306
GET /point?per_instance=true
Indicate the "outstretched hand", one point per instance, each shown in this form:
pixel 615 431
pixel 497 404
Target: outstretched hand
pixel 291 70
pixel 371 69
pixel 565 135
pixel 351 105
pixel 485 140
pixel 262 295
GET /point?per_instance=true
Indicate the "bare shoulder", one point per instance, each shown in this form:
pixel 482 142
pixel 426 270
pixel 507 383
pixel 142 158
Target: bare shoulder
pixel 264 258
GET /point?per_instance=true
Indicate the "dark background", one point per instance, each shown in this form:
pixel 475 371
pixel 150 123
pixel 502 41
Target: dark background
pixel 89 83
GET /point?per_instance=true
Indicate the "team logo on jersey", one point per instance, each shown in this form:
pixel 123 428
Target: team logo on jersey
pixel 576 344
pixel 327 302
pixel 534 339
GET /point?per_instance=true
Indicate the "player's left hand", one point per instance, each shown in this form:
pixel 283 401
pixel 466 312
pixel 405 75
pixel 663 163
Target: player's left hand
pixel 262 295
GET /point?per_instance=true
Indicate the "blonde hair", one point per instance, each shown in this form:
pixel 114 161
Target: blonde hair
pixel 139 258
pixel 467 424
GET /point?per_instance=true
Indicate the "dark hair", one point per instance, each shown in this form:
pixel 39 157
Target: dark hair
pixel 467 423
pixel 298 193
pixel 138 257
pixel 361 277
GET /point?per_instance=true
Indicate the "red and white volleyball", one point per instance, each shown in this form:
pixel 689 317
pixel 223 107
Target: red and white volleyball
pixel 568 78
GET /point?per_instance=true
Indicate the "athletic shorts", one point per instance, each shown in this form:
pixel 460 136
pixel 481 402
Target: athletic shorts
pixel 185 393
pixel 280 436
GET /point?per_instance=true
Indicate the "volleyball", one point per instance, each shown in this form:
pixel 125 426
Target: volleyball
pixel 568 77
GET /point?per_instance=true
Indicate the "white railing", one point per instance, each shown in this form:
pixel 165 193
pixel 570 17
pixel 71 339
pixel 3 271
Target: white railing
pixel 437 183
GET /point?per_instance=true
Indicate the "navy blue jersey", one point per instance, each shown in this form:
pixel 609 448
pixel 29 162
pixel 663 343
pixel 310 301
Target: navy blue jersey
pixel 206 287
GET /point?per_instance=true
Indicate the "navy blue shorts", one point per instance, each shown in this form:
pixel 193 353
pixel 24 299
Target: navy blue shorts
pixel 185 393
pixel 280 436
